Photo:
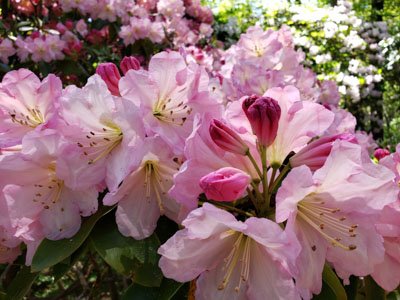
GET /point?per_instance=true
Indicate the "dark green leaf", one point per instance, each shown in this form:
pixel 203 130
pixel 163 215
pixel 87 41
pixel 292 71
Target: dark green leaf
pixel 137 259
pixel 183 292
pixel 165 229
pixel 50 253
pixel 395 295
pixel 139 292
pixel 330 278
pixel 168 289
pixel 3 296
pixel 372 290
pixel 326 293
pixel 21 284
pixel 352 288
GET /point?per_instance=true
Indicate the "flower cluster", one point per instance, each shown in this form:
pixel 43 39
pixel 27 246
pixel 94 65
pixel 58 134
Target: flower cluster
pixel 260 166
pixel 165 22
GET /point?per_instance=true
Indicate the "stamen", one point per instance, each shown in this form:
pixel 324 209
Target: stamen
pixel 100 144
pixel 327 223
pixel 333 241
pixel 171 112
pixel 240 252
pixel 231 261
pixel 153 180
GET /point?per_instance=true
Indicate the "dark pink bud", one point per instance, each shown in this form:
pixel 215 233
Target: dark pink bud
pixel 110 74
pixel 129 63
pixel 226 138
pixel 381 153
pixel 226 184
pixel 69 24
pixel 264 114
pixel 315 153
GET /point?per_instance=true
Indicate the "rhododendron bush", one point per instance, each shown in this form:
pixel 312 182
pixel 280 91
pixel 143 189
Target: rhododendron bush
pixel 189 173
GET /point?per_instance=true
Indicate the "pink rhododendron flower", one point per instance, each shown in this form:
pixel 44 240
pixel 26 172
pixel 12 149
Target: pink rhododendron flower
pixel 22 48
pixel 157 33
pixel 300 121
pixel 102 133
pixel 332 213
pixel 231 259
pixel 142 197
pixel 257 43
pixel 329 93
pixel 6 50
pixel 138 29
pixel 40 200
pixel 387 273
pixel 9 244
pixel 81 27
pixel 226 184
pixel 344 122
pixel 203 157
pixel 168 95
pixel 26 104
pixel 392 162
pixel 171 8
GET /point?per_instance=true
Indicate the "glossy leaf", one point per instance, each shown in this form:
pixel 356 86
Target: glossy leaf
pixel 166 291
pixel 135 258
pixel 50 253
pixel 21 284
pixel 169 288
pixel 329 277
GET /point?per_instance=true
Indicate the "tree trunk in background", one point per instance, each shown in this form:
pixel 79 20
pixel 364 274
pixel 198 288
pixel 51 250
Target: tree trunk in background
pixel 377 103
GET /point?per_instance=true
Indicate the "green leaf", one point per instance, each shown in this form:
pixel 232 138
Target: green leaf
pixel 395 295
pixel 326 293
pixel 372 290
pixel 168 289
pixel 50 253
pixel 21 284
pixel 352 288
pixel 135 258
pixel 3 296
pixel 139 292
pixel 330 278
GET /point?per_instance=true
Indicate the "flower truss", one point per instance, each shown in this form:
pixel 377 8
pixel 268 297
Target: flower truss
pixel 266 174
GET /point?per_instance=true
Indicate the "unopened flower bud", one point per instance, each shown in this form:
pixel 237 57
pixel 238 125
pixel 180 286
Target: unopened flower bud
pixel 110 74
pixel 381 153
pixel 315 153
pixel 226 138
pixel 129 63
pixel 264 114
pixel 226 184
